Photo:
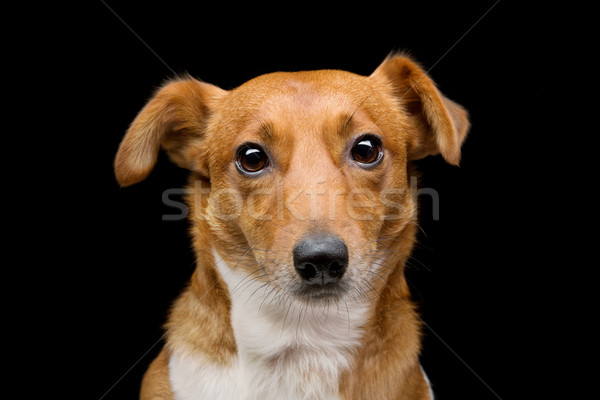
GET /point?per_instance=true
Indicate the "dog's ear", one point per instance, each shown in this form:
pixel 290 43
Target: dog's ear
pixel 442 124
pixel 175 118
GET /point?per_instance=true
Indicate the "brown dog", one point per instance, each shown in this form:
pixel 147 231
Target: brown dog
pixel 302 221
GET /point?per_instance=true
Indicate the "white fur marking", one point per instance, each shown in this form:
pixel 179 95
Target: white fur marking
pixel 194 378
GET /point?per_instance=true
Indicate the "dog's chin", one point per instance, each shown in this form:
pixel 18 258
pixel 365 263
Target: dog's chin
pixel 327 293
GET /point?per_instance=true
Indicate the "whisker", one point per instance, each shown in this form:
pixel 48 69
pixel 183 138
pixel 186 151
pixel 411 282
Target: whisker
pixel 244 281
pixel 348 314
pixel 273 289
pixel 285 319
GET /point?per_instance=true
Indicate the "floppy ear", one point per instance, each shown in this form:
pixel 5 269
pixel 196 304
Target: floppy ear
pixel 442 123
pixel 175 118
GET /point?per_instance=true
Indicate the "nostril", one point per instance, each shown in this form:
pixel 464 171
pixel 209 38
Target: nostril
pixel 320 259
pixel 337 268
pixel 306 270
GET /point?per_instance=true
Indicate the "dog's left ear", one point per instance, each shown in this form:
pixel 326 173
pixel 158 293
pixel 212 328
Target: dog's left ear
pixel 174 119
pixel 442 123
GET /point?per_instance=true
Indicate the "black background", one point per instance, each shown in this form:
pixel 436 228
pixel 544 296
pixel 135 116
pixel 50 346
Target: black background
pixel 474 272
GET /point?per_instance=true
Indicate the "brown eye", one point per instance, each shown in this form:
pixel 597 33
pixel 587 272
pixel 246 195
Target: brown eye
pixel 367 151
pixel 251 159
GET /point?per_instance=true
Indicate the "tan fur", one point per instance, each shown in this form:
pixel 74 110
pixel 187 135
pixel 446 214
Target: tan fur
pixel 156 385
pixel 306 120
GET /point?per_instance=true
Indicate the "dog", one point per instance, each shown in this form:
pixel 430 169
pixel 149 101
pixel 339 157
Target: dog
pixel 302 219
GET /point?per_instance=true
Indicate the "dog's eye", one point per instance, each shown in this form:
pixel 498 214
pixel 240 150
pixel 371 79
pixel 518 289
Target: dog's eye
pixel 251 158
pixel 367 150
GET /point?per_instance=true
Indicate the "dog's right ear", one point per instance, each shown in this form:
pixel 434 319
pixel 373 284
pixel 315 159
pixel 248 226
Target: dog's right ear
pixel 175 118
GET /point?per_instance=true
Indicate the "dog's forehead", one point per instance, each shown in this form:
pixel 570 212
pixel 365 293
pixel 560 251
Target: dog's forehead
pixel 288 82
pixel 304 92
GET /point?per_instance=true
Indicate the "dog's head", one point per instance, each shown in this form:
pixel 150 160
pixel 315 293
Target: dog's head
pixel 307 172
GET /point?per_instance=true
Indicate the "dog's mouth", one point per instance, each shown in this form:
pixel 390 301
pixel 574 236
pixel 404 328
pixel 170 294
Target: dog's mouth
pixel 331 291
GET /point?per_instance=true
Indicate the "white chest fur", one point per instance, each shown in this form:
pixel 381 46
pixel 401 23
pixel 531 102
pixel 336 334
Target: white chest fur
pixel 286 349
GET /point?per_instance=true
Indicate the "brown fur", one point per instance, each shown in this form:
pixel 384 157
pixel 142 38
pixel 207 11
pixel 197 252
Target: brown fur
pixel 305 120
pixel 156 385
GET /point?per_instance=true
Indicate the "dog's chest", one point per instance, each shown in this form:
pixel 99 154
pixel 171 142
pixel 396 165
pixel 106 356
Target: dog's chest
pixel 253 377
pixel 270 364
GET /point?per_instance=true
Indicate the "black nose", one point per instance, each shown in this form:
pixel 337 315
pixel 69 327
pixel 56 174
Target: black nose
pixel 320 259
